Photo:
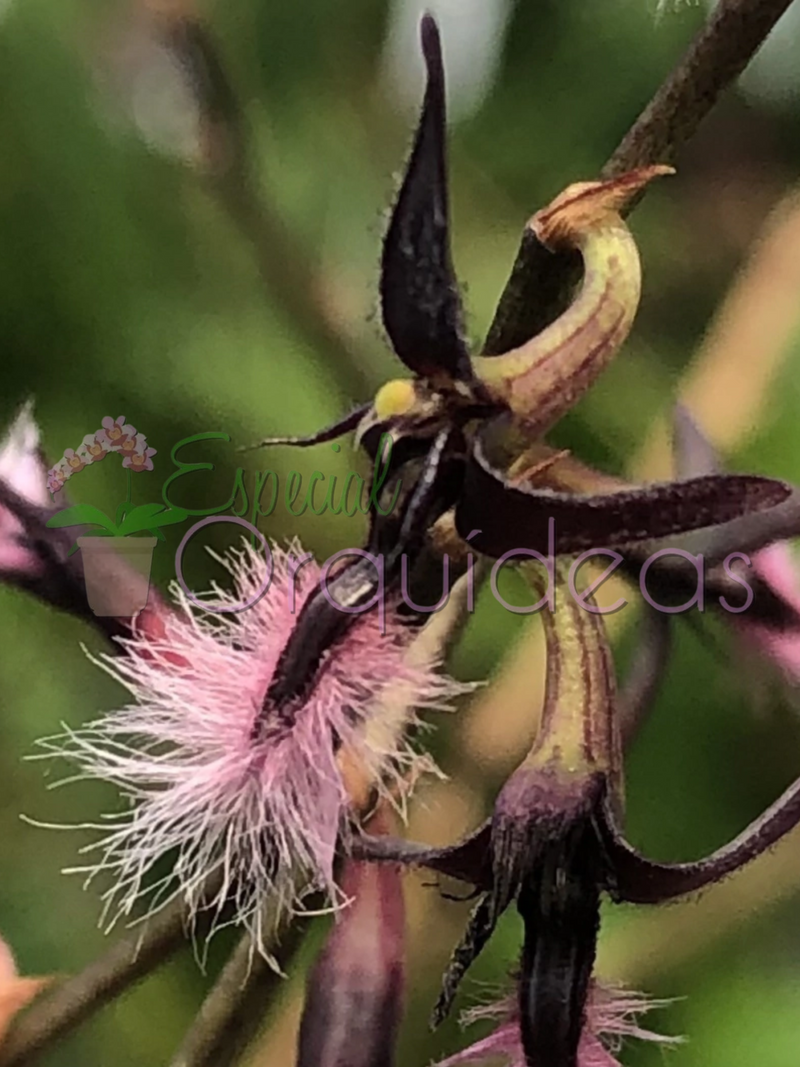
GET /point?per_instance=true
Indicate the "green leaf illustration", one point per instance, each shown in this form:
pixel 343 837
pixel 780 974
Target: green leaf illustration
pixel 150 517
pixel 79 515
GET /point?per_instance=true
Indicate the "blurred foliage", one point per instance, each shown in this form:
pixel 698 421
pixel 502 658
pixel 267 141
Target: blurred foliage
pixel 125 287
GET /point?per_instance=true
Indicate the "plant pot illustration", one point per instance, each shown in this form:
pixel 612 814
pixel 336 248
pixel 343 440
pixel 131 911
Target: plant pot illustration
pixel 117 573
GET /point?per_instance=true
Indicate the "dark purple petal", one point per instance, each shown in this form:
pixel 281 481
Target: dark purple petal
pixel 469 861
pixel 480 928
pixel 420 300
pixel 673 580
pixel 560 908
pixel 509 518
pixel 639 880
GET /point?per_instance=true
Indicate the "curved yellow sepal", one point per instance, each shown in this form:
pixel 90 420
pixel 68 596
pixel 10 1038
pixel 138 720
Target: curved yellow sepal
pixel 542 379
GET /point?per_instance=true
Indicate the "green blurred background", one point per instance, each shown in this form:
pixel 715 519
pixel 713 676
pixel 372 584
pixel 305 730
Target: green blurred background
pixel 130 284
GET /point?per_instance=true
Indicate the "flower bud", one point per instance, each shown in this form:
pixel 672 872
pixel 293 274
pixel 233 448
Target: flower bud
pixel 354 1000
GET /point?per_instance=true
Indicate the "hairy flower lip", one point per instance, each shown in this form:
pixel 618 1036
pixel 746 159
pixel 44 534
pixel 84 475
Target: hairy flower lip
pixel 268 815
pixel 611 1014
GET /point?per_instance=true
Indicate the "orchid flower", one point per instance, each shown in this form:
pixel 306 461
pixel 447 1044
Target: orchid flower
pixel 95 447
pixel 138 457
pixel 486 414
pixel 116 432
pixel 555 843
pixel 467 429
pixel 232 769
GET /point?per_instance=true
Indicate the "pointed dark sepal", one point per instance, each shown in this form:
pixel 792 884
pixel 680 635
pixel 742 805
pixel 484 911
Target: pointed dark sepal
pixel 508 517
pixel 420 301
pixel 695 455
pixel 673 579
pixel 329 433
pixel 468 861
pixel 480 928
pixel 639 880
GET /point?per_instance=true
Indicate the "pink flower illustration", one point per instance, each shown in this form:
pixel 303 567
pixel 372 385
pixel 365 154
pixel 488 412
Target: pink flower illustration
pixel 131 445
pixel 140 460
pixel 610 1018
pixel 218 781
pixel 116 432
pixel 94 447
pixel 73 462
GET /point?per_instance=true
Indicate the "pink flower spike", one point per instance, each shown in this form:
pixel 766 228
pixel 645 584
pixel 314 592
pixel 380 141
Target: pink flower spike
pixel 140 460
pixel 611 1016
pixel 117 432
pixel 225 787
pixel 94 448
pixel 73 461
